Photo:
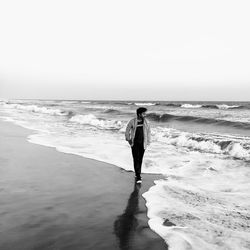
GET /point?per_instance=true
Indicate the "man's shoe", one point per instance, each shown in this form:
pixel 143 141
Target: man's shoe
pixel 138 180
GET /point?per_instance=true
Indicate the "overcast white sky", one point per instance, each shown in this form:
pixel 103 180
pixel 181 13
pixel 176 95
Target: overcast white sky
pixel 112 49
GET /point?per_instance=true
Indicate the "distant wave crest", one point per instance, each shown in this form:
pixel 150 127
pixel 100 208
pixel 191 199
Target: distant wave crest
pixel 145 103
pixel 224 106
pixel 169 117
pixel 205 106
pixel 187 106
pixel 212 106
pixel 37 109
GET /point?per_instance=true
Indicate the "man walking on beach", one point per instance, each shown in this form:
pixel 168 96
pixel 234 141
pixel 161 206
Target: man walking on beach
pixel 138 136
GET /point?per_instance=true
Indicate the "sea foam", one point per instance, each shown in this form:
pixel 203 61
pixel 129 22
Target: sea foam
pixel 92 120
pixel 187 216
pixel 190 106
pixel 145 103
pixel 36 109
pixel 224 106
pixel 205 143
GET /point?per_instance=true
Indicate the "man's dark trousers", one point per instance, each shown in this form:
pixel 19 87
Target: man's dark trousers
pixel 138 152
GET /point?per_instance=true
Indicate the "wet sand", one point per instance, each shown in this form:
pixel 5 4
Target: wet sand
pixel 51 200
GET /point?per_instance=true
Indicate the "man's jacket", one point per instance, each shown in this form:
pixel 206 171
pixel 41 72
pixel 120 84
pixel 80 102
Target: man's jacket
pixel 131 129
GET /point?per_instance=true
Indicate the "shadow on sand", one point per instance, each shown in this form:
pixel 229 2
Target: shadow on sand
pixel 132 230
pixel 126 223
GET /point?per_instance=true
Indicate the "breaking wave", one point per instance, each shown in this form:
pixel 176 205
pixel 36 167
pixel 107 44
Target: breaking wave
pixel 145 103
pixel 168 117
pixel 223 106
pixel 37 109
pixel 211 106
pixel 235 147
pixel 206 106
pixel 92 120
pixel 187 106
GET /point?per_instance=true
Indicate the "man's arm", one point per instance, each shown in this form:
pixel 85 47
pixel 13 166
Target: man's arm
pixel 149 134
pixel 127 132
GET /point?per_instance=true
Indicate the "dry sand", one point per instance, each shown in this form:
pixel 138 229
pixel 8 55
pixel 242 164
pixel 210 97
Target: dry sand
pixel 51 200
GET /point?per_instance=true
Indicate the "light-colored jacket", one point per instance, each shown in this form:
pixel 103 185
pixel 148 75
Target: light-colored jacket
pixel 131 129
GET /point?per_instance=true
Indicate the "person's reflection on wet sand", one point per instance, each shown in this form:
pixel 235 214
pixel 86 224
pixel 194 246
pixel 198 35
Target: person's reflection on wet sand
pixel 126 223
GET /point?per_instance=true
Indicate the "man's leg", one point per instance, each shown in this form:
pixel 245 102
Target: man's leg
pixel 136 159
pixel 141 151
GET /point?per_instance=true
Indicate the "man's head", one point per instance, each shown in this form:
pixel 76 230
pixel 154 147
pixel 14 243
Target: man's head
pixel 141 112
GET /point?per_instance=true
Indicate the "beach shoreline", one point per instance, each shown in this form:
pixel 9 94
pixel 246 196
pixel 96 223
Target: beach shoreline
pixel 55 200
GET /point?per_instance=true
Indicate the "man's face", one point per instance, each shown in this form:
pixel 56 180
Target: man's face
pixel 142 115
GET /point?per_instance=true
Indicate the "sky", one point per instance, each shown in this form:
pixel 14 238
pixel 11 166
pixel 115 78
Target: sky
pixel 125 50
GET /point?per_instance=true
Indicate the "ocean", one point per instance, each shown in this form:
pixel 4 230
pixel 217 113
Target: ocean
pixel 202 150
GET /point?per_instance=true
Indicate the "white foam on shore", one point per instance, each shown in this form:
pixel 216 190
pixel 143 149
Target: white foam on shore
pixel 88 146
pixel 202 210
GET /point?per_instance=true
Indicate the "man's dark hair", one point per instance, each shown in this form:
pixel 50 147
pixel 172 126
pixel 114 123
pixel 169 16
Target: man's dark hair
pixel 140 110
